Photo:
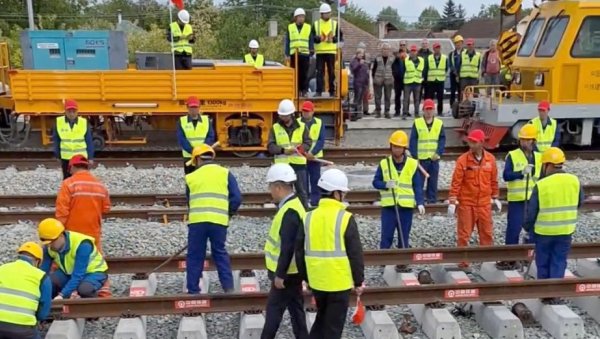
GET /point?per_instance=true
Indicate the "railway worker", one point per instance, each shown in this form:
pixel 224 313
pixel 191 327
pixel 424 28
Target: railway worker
pixel 436 68
pixel 398 72
pixel 181 35
pixel 81 267
pixel 325 35
pixel 72 135
pixel 194 129
pixel 547 128
pixel 286 136
pixel 299 39
pixel 413 78
pixel 400 184
pixel 253 57
pixel 469 66
pixel 26 294
pixel 383 80
pixel 427 143
pixel 474 186
pixel 455 59
pixel 286 290
pixel 424 52
pixel 316 131
pixel 329 242
pixel 552 214
pixel 214 196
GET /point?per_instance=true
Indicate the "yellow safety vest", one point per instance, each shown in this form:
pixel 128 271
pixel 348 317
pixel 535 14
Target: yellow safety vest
pixel 209 195
pixel 72 140
pixel 20 293
pixel 259 62
pixel 97 264
pixel 314 132
pixel 437 73
pixel 413 75
pixel 405 196
pixel 182 45
pixel 324 28
pixel 516 188
pixel 299 40
pixel 545 137
pixel 427 140
pixel 283 140
pixel 327 264
pixel 469 67
pixel 195 135
pixel 558 197
pixel 273 244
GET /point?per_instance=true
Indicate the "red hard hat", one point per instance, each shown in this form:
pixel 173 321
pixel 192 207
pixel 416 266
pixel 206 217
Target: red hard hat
pixel 70 104
pixel 470 42
pixel 428 104
pixel 436 45
pixel 544 105
pixel 308 106
pixel 78 159
pixel 476 135
pixel 193 102
pixel 413 48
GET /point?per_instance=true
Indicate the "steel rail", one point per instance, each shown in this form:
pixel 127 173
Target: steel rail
pixel 256 301
pixel 411 256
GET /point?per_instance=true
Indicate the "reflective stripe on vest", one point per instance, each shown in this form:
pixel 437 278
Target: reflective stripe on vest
pixel 437 73
pixel 282 139
pixel 195 135
pixel 182 45
pixel 259 62
pixel 558 197
pixel 327 263
pixel 209 195
pixel 72 140
pixel 545 137
pixel 19 293
pixel 516 188
pixel 96 264
pixel 299 40
pixel 405 196
pixel 314 132
pixel 413 75
pixel 273 244
pixel 427 140
pixel 469 67
pixel 323 28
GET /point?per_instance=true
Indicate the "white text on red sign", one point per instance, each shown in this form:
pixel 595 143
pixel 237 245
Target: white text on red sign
pixel 183 304
pixel 462 293
pixel 428 256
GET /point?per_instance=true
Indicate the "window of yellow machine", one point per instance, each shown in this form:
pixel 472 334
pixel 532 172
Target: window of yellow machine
pixel 555 29
pixel 587 44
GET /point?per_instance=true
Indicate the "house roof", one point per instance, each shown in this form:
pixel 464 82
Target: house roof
pixel 414 34
pixel 353 36
pixel 484 28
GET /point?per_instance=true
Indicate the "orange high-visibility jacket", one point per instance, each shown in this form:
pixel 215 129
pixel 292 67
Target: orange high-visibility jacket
pixel 80 203
pixel 474 183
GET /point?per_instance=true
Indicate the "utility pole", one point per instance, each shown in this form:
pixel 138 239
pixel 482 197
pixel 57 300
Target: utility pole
pixel 30 14
pixel 119 17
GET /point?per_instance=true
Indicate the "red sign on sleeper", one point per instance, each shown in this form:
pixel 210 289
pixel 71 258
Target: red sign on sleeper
pixel 583 288
pixel 184 304
pixel 427 256
pixel 462 293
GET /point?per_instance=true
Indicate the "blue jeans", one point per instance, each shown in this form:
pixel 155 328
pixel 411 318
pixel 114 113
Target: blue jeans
pixel 314 173
pixel 514 223
pixel 198 235
pixel 551 255
pixel 88 287
pixel 389 223
pixel 433 168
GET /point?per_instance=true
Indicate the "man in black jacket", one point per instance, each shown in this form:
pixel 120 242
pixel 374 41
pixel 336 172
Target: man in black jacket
pixel 398 73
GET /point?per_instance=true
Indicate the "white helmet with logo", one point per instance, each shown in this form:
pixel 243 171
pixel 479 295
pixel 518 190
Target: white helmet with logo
pixel 286 107
pixel 184 16
pixel 334 180
pixel 325 8
pixel 253 44
pixel 281 172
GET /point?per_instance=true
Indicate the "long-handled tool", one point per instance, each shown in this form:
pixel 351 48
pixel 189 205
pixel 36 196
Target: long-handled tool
pixel 300 150
pixel 423 171
pixel 168 260
pixel 526 210
pixel 398 227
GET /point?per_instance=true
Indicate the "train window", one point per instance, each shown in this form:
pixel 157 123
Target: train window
pixel 555 29
pixel 531 37
pixel 587 43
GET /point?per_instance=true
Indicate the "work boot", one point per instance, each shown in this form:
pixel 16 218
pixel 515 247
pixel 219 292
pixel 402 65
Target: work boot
pixel 377 114
pixel 397 114
pixel 387 115
pixel 318 94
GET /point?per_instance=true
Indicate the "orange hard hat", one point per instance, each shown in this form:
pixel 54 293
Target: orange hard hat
pixel 359 313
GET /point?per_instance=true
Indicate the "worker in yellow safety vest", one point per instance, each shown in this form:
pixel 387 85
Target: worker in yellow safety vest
pixel 435 72
pixel 469 66
pixel 25 294
pixel 254 58
pixel 299 43
pixel 547 128
pixel 316 131
pixel 194 129
pixel 288 139
pixel 72 136
pixel 325 32
pixel 181 35
pixel 414 66
pixel 552 215
pixel 286 290
pixel 329 255
pixel 82 269
pixel 213 196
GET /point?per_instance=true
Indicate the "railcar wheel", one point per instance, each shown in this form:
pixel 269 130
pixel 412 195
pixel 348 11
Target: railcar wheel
pixel 247 154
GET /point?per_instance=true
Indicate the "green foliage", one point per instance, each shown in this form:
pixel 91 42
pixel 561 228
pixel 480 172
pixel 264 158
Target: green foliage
pixel 453 16
pixel 360 18
pixel 429 18
pixel 12 37
pixel 488 12
pixel 391 15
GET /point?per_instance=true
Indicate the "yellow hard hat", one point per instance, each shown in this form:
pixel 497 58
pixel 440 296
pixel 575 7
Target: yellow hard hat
pixel 528 131
pixel 49 230
pixel 200 151
pixel 458 38
pixel 399 138
pixel 32 248
pixel 553 155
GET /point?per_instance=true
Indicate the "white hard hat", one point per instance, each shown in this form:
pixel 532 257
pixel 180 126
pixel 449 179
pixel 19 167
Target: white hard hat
pixel 325 8
pixel 299 11
pixel 253 44
pixel 334 180
pixel 286 107
pixel 184 16
pixel 281 172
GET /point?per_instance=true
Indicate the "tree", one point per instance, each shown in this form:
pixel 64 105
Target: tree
pixel 449 16
pixel 360 18
pixel 429 18
pixel 461 14
pixel 390 14
pixel 488 12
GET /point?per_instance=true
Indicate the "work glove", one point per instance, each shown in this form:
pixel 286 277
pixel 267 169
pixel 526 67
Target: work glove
pixel 435 157
pixel 527 170
pixel 451 209
pixel 421 209
pixel 390 184
pixel 58 297
pixel 498 204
